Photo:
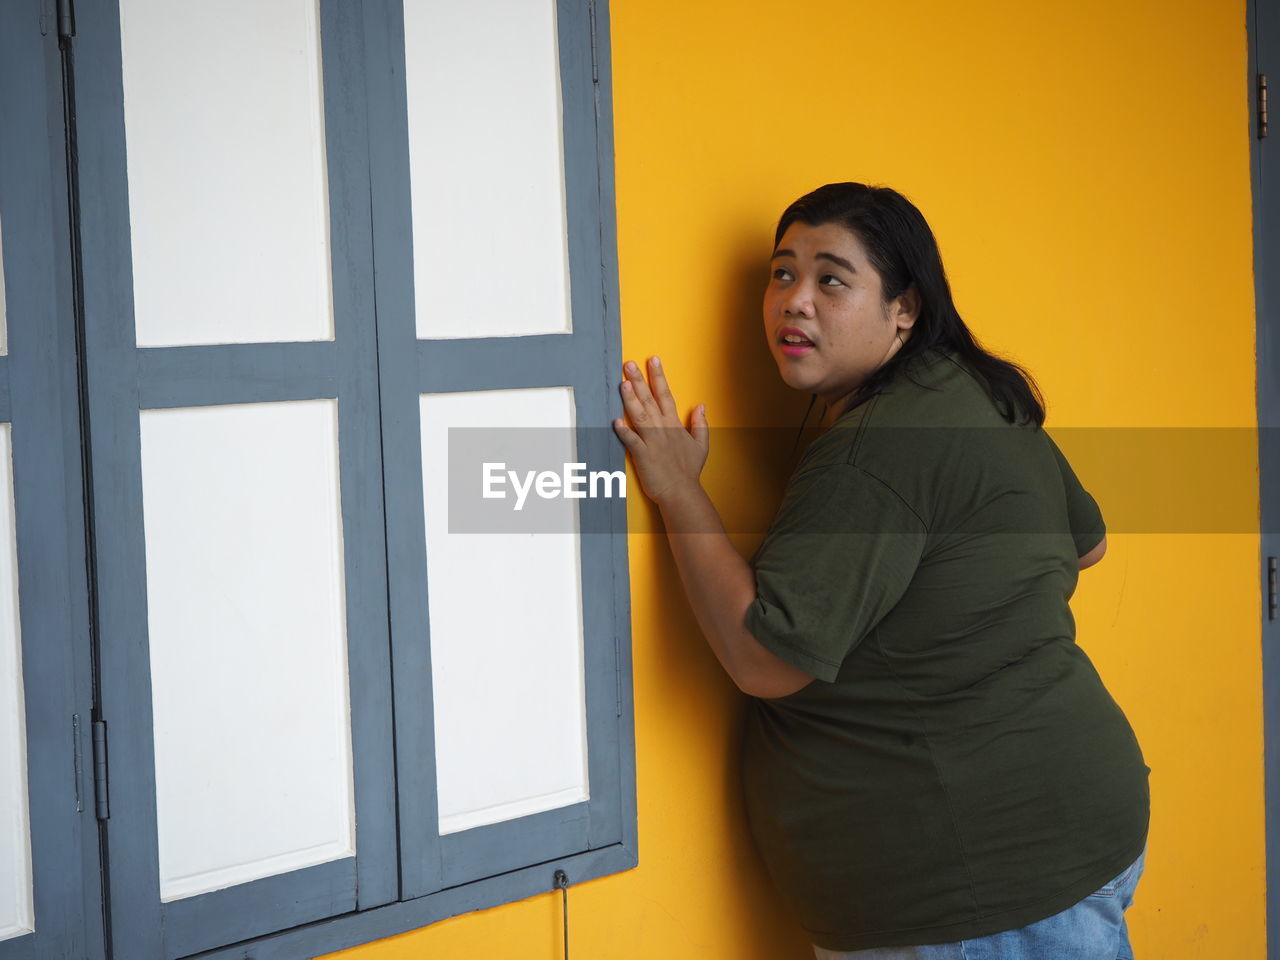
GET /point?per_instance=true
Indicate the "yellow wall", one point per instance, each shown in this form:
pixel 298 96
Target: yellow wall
pixel 1086 169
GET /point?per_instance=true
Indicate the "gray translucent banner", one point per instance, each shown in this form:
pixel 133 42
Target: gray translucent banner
pixel 1144 479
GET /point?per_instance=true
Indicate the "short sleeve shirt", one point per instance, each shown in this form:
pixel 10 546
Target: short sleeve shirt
pixel 958 767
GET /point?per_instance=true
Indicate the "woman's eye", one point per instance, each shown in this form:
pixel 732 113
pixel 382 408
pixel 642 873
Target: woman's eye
pixel 781 274
pixel 831 281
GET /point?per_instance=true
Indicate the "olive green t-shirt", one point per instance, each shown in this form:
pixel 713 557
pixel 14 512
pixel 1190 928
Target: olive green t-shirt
pixel 957 768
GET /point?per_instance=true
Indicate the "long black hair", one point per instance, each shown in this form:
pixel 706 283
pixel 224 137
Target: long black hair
pixel 902 249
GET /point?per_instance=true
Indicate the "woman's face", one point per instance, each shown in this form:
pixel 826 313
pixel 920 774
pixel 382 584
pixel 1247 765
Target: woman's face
pixel 823 289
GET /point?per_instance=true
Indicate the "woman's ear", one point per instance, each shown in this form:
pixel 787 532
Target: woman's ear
pixel 906 308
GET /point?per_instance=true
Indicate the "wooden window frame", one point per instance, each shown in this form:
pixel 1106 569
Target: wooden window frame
pixel 405 876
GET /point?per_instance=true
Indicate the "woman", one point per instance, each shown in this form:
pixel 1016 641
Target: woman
pixel 933 768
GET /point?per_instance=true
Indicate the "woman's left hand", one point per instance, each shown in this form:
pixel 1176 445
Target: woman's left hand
pixel 668 458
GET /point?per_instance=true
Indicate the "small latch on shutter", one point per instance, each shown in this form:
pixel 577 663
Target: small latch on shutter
pixel 1262 106
pixel 77 757
pixel 1271 588
pixel 595 64
pixel 561 880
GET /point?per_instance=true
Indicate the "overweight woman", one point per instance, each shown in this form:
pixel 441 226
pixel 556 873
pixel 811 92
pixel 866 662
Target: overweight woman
pixel 933 768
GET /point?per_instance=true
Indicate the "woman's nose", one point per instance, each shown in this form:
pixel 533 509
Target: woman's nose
pixel 798 302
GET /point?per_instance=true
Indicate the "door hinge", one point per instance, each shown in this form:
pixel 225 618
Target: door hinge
pixel 595 66
pixel 1271 588
pixel 66 19
pixel 1262 106
pixel 103 808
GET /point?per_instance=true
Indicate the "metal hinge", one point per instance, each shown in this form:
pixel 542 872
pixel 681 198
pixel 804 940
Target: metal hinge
pixel 66 19
pixel 1271 588
pixel 595 68
pixel 1262 106
pixel 101 803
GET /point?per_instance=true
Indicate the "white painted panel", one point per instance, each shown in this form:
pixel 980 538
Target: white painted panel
pixel 245 598
pixel 16 915
pixel 228 197
pixel 487 168
pixel 4 322
pixel 506 633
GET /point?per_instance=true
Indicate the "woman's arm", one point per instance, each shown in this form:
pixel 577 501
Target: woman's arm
pixel 717 580
pixel 721 586
pixel 1094 555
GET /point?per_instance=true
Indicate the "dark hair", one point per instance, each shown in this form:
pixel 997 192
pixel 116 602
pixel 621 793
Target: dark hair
pixel 902 249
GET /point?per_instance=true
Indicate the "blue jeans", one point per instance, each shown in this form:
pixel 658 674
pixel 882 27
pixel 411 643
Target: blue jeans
pixel 1093 929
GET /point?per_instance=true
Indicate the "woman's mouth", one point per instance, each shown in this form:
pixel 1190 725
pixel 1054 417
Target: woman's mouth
pixel 793 342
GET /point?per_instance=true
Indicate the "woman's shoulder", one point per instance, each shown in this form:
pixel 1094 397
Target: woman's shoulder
pixel 933 411
pixel 935 418
pixel 937 390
